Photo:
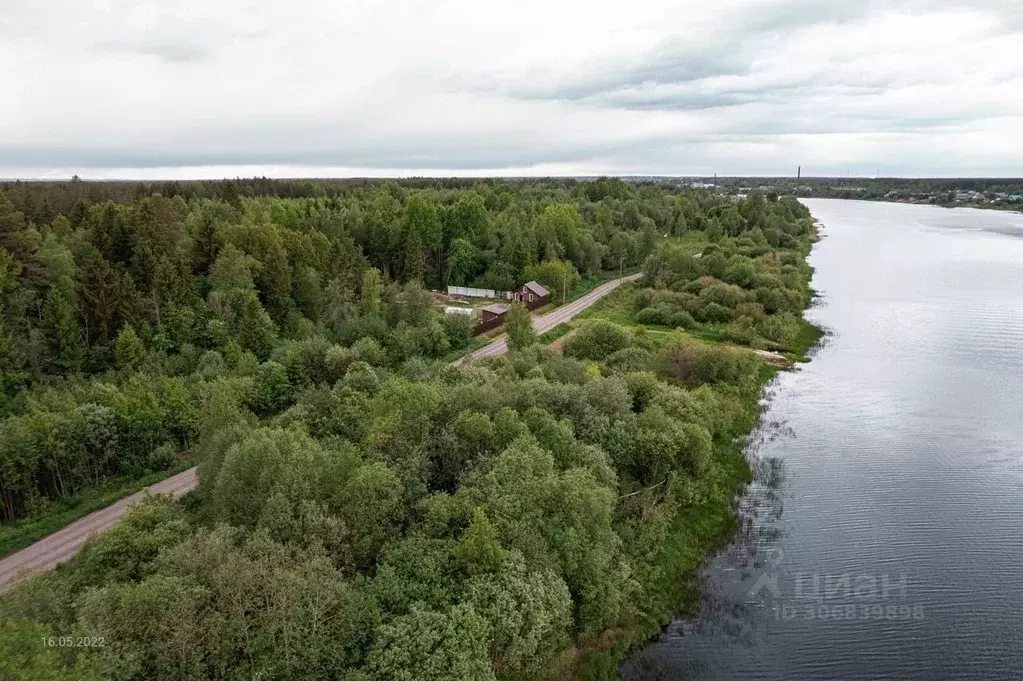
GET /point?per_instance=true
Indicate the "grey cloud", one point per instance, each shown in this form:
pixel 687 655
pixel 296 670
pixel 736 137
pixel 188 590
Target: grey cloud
pixel 729 49
pixel 444 151
pixel 749 89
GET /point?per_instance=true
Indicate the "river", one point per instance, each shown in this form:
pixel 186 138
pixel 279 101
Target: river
pixel 883 535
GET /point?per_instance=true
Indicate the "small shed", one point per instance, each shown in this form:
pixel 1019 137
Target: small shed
pixel 533 295
pixel 492 316
pixel 493 311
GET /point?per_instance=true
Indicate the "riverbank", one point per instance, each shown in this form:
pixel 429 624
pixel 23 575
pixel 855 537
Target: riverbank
pixel 698 531
pixel 696 534
pixel 1016 207
pixel 891 456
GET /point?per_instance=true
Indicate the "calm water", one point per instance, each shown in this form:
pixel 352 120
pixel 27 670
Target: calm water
pixel 883 537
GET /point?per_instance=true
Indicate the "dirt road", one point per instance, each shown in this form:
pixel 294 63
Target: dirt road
pixel 546 322
pixel 47 553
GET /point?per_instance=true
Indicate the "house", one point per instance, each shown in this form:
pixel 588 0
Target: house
pixel 532 295
pixel 492 316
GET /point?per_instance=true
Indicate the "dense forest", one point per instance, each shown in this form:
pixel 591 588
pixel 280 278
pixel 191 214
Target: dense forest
pixel 367 510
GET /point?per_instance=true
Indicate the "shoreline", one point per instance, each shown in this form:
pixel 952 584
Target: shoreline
pixel 975 206
pixel 714 523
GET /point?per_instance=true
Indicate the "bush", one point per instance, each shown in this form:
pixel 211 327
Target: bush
pixel 693 363
pixel 682 320
pixel 723 294
pixel 712 312
pixel 458 329
pixel 778 328
pixel 628 360
pixel 655 314
pixel 740 331
pixel 596 340
pixel 598 666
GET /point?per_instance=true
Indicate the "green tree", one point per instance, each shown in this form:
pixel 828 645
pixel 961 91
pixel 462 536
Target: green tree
pixel 128 348
pixel 423 234
pixel 427 645
pixel 518 323
pixel 256 331
pixel 480 549
pixel 371 504
pixel 65 333
pixel 371 288
pixel 529 614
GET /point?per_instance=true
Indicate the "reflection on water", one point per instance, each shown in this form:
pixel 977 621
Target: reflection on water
pixel 883 531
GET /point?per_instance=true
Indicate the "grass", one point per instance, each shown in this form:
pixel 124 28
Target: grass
pixel 554 334
pixel 587 284
pixel 476 343
pixel 692 242
pixel 807 337
pixel 59 514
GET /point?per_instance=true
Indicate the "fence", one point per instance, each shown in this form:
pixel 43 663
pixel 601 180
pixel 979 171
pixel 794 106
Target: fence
pixel 470 292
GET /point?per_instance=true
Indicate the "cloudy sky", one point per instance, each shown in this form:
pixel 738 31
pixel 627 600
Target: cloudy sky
pixel 203 88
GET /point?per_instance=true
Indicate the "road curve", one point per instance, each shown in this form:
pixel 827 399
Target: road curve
pixel 60 546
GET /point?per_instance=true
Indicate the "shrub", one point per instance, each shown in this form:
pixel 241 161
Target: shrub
pixel 712 312
pixel 723 294
pixel 628 360
pixel 694 363
pixel 458 329
pixel 752 310
pixel 655 314
pixel 682 319
pixel 740 331
pixel 597 340
pixel 778 328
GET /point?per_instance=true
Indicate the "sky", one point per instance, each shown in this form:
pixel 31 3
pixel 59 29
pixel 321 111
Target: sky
pixel 171 89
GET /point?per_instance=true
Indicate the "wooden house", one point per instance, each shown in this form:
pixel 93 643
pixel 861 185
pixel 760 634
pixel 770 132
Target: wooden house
pixel 532 295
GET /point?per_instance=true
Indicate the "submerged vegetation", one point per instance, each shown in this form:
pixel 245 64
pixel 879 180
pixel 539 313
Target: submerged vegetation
pixel 366 511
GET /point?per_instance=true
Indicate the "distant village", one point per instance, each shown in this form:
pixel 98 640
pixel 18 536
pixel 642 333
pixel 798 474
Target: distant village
pixel 988 193
pixel 970 196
